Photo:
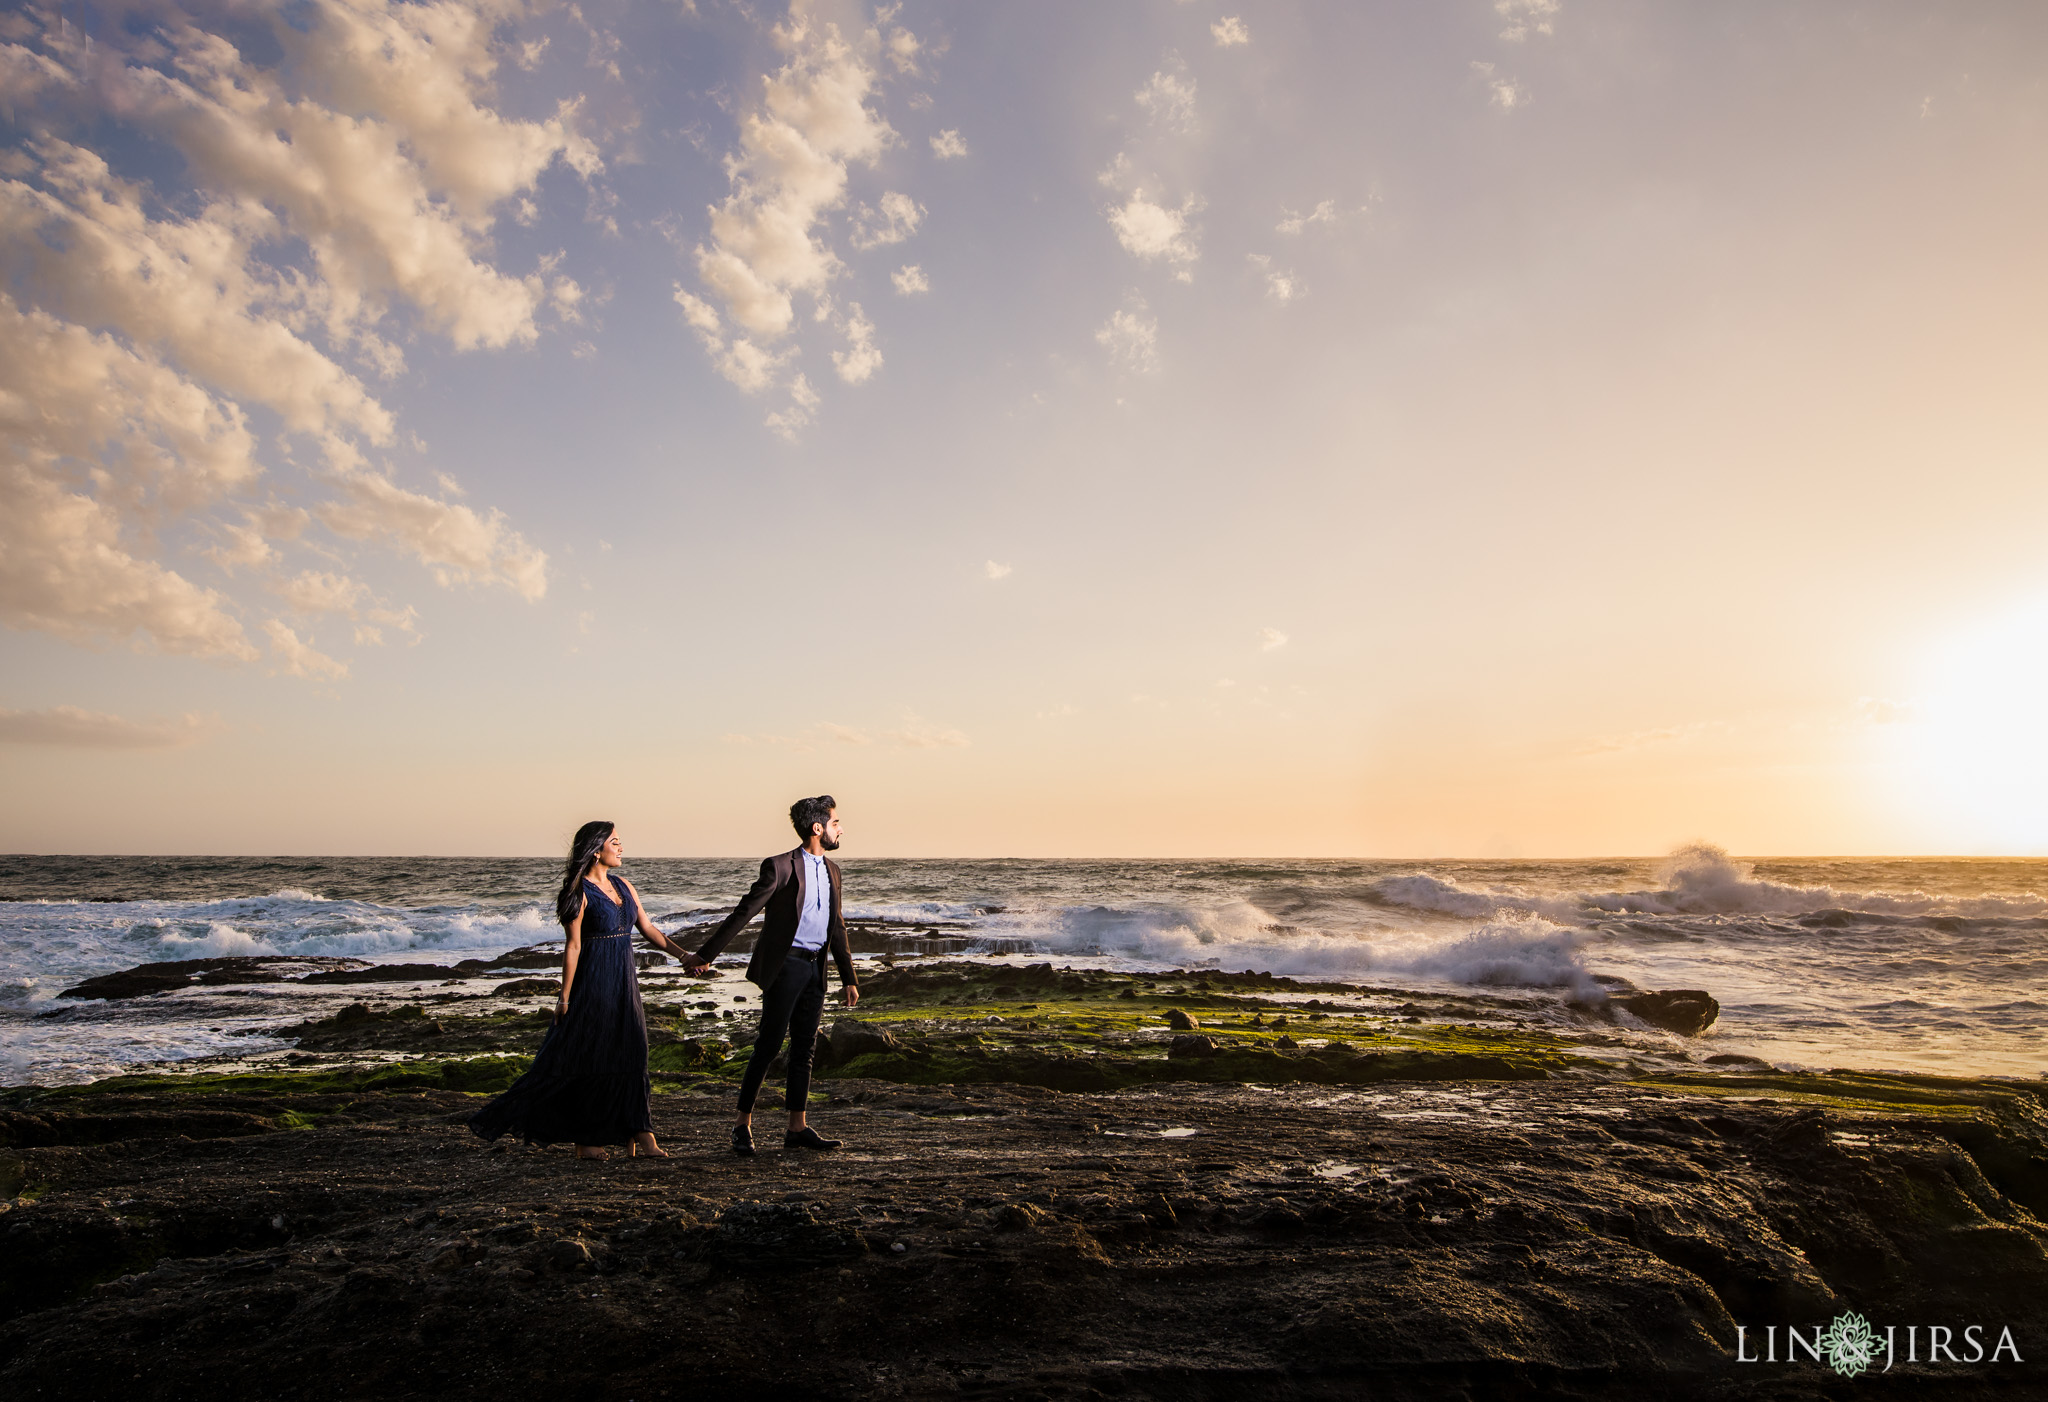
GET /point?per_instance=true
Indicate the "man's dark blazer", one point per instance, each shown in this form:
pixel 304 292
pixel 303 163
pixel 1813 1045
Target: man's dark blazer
pixel 780 890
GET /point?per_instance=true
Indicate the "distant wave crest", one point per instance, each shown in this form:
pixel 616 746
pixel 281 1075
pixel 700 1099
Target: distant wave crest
pixel 1697 879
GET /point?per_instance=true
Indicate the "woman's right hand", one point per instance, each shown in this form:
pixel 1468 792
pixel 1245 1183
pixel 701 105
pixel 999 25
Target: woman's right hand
pixel 562 1006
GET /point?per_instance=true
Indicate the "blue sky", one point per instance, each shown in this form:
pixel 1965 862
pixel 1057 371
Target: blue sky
pixel 1492 428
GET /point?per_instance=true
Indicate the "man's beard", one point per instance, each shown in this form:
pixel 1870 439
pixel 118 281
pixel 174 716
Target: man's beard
pixel 830 844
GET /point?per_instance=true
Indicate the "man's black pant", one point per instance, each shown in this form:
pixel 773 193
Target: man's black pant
pixel 792 1005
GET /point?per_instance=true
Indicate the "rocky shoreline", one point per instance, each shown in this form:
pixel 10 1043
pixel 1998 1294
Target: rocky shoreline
pixel 1057 1183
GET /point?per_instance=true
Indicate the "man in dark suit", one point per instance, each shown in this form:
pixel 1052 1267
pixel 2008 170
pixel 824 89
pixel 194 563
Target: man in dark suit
pixel 799 890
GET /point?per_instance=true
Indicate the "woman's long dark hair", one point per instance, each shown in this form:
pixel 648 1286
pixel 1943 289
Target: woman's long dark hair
pixel 582 852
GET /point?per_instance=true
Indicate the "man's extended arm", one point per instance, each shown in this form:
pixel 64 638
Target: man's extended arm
pixel 750 906
pixel 842 952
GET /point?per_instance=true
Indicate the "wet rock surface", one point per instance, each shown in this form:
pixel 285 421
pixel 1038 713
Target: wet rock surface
pixel 1418 1240
pixel 1686 1011
pixel 170 975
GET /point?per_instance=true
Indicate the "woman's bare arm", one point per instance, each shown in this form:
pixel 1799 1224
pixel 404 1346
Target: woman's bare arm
pixel 646 926
pixel 572 949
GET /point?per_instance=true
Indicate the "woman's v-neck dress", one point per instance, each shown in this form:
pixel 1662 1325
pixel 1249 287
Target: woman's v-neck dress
pixel 588 1084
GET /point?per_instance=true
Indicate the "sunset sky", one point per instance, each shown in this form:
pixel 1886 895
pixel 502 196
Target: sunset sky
pixel 1518 428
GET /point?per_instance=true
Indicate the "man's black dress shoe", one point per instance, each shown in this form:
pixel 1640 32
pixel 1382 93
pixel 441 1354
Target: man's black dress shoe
pixel 808 1138
pixel 743 1141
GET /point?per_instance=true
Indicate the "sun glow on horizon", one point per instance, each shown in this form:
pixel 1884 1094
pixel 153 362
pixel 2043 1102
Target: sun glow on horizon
pixel 1977 744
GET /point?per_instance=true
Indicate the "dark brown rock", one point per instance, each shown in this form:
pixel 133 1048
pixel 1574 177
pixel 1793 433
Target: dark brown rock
pixel 849 1039
pixel 527 988
pixel 1569 1239
pixel 382 973
pixel 145 979
pixel 1686 1011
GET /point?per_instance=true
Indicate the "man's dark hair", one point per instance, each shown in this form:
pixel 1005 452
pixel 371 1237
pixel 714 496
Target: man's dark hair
pixel 806 811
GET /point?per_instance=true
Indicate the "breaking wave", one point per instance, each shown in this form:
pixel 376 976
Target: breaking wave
pixel 1697 879
pixel 1517 948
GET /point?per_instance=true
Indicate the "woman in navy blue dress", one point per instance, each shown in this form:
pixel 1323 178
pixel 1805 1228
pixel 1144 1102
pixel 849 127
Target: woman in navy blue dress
pixel 588 1084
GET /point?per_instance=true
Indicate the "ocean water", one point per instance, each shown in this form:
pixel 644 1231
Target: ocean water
pixel 1910 964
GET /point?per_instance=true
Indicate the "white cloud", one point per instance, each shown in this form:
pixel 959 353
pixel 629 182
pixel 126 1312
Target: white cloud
pixel 790 422
pixel 896 220
pixel 1325 212
pixel 1131 336
pixel 765 244
pixel 910 280
pixel 740 360
pixel 321 196
pixel 405 620
pixel 1504 93
pixel 1281 285
pixel 1169 98
pixel 298 658
pixel 252 543
pixel 389 118
pixel 1270 639
pixel 861 358
pixel 456 542
pixel 949 145
pixel 319 591
pixel 73 396
pixel 790 169
pixel 902 48
pixel 1526 17
pixel 1230 31
pixel 995 571
pixel 72 728
pixel 1157 233
pixel 186 288
pixel 919 734
pixel 67 568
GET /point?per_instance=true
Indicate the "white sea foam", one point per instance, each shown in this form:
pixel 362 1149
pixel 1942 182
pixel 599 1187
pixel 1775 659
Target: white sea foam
pixel 1434 893
pixel 1234 934
pixel 220 940
pixel 1517 948
pixel 1939 965
pixel 1698 879
pixel 1525 951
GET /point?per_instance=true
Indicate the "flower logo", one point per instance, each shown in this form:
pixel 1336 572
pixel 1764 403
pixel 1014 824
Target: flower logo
pixel 1849 1344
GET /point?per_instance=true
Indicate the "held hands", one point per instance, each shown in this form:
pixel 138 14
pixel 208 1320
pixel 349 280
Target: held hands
pixel 692 965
